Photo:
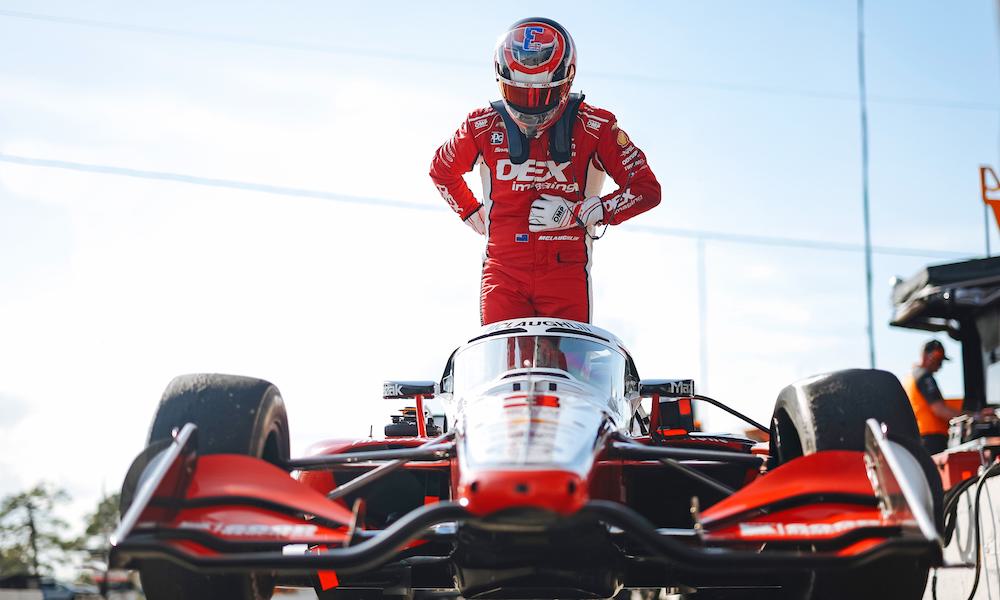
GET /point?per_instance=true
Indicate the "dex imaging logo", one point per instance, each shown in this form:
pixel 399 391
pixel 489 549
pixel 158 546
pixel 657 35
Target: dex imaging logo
pixel 536 175
pixel 531 170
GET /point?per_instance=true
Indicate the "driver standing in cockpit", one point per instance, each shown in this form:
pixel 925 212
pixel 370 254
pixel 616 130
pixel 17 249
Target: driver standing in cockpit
pixel 543 153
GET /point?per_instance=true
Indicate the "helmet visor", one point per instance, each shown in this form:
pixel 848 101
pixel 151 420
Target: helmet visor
pixel 534 99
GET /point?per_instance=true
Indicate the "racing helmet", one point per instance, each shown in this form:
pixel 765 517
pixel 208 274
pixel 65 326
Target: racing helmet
pixel 535 61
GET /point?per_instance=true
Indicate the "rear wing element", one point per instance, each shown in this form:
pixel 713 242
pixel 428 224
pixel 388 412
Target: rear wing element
pixel 416 390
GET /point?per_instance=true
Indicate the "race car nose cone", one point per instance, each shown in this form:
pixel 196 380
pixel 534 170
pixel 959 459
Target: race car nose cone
pixel 487 492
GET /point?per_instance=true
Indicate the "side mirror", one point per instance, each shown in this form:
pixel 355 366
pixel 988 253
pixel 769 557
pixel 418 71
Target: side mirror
pixel 667 388
pixel 398 390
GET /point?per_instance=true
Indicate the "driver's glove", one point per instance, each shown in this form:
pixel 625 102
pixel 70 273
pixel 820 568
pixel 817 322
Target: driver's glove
pixel 551 213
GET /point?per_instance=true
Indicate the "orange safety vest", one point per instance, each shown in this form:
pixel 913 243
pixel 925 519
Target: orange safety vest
pixel 927 422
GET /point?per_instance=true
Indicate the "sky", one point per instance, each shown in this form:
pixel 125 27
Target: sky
pixel 121 267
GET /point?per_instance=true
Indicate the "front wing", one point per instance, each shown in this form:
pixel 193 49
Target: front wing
pixel 230 513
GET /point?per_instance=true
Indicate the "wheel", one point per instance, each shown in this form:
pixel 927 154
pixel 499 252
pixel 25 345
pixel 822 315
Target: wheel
pixel 234 415
pixel 402 429
pixel 828 412
pixel 407 429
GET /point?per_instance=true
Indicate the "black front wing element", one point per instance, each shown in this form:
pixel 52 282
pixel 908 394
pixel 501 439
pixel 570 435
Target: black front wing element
pixel 384 546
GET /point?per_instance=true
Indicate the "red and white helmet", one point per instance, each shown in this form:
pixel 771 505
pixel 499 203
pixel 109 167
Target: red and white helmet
pixel 535 63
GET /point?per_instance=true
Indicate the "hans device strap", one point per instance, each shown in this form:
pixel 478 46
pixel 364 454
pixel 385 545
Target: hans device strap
pixel 560 138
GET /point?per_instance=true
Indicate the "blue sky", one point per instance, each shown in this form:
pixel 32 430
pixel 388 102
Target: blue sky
pixel 748 113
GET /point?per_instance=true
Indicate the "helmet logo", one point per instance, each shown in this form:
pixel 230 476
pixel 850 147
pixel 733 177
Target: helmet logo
pixel 529 38
pixel 534 47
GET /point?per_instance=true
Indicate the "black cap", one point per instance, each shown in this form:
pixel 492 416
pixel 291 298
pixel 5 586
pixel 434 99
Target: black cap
pixel 934 346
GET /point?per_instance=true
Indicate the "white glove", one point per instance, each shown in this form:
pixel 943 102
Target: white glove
pixel 477 220
pixel 551 213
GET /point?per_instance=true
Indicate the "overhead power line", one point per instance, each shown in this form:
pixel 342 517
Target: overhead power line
pixel 210 182
pixel 678 232
pixel 478 64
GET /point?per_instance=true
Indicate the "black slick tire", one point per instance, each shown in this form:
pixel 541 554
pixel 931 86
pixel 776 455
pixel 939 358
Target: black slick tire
pixel 234 415
pixel 828 412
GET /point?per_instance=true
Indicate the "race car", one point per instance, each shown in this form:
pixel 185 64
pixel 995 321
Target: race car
pixel 555 472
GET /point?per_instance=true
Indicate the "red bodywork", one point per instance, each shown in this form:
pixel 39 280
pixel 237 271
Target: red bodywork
pixel 214 511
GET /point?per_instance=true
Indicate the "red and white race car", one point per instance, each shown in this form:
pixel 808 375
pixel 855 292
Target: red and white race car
pixel 548 478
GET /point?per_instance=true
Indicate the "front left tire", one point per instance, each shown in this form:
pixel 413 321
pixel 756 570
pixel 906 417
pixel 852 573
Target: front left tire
pixel 234 415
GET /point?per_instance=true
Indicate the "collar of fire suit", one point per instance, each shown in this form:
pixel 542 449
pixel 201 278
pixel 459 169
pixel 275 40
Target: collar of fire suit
pixel 560 136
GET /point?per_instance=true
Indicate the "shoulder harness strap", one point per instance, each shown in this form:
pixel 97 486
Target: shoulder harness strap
pixel 560 138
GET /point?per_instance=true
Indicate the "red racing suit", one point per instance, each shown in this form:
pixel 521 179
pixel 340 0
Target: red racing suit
pixel 547 273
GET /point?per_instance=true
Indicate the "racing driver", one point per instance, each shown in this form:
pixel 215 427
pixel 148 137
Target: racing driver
pixel 542 154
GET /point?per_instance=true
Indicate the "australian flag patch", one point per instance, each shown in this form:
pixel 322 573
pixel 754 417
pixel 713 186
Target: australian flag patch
pixel 521 237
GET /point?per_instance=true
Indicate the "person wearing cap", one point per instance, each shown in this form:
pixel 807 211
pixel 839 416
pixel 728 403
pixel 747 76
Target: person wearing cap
pixel 925 397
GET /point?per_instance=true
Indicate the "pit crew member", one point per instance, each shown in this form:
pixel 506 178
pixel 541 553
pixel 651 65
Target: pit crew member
pixel 925 397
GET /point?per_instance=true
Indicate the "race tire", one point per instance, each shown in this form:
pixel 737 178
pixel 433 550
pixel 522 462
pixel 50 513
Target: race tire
pixel 400 430
pixel 828 412
pixel 234 415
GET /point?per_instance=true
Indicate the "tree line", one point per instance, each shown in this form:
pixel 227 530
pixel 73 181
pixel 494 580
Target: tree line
pixel 34 540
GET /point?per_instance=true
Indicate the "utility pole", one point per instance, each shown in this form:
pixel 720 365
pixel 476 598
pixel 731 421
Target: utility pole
pixel 702 318
pixel 864 181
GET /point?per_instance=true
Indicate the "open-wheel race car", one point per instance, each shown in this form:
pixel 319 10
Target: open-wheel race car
pixel 548 478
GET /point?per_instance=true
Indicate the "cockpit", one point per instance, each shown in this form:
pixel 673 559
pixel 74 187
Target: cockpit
pixel 584 361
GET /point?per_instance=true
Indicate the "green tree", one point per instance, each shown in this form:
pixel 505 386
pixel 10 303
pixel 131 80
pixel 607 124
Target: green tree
pixel 102 522
pixel 94 542
pixel 13 560
pixel 32 537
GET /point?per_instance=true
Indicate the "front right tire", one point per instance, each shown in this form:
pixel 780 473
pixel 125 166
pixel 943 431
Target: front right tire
pixel 828 412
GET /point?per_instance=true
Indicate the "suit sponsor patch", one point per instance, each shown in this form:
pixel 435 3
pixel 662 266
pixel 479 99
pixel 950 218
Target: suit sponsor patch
pixel 480 123
pixel 496 138
pixel 520 237
pixel 449 198
pixel 536 174
pixel 625 200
